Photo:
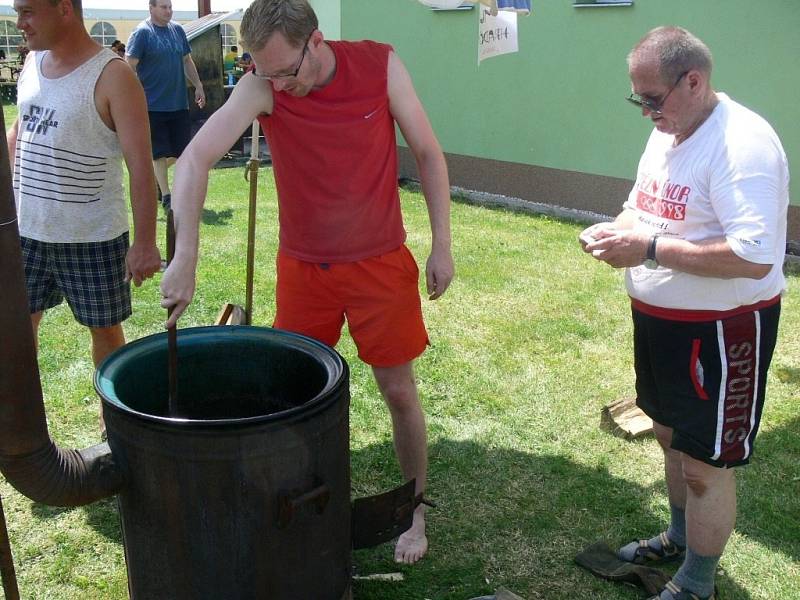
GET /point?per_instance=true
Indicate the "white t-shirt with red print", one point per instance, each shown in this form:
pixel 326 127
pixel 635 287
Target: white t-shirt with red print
pixel 729 179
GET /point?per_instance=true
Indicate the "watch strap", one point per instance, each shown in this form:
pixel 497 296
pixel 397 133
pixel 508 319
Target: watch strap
pixel 651 248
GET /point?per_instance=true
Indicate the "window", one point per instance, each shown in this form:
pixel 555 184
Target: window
pixel 600 3
pixel 10 38
pixel 103 33
pixel 229 37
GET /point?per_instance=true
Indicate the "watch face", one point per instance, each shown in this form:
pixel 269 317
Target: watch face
pixel 650 263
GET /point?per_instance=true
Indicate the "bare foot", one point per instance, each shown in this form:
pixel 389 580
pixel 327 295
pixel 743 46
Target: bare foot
pixel 412 545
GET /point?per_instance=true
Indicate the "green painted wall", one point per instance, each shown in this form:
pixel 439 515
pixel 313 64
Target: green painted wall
pixel 559 102
pixel 329 15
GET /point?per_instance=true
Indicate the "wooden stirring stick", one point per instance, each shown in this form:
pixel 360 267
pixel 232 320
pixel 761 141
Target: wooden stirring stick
pixel 172 332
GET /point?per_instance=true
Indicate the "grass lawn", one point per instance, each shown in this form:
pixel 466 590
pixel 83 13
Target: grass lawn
pixel 529 343
pixel 9 114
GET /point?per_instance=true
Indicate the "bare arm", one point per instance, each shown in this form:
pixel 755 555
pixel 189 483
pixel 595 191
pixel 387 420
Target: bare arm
pixel 626 219
pixel 709 258
pixel 250 98
pixel 121 103
pixel 623 246
pixel 132 62
pixel 11 140
pixel 407 110
pixel 190 70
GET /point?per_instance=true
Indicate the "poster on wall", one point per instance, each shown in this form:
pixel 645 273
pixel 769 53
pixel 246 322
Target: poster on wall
pixel 496 34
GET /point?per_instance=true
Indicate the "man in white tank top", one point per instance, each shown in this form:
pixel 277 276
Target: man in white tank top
pixel 81 111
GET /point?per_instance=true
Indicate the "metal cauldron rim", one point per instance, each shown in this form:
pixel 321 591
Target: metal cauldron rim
pixel 335 365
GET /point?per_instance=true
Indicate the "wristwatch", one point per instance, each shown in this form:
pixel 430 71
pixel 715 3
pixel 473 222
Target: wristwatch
pixel 650 258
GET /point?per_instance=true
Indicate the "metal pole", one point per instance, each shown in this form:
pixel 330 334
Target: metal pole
pixel 203 8
pixel 252 172
pixel 7 561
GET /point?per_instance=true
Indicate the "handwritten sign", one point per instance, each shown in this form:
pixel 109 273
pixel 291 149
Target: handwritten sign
pixel 496 35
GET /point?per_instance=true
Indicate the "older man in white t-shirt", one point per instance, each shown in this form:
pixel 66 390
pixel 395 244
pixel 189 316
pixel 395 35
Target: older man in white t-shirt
pixel 703 236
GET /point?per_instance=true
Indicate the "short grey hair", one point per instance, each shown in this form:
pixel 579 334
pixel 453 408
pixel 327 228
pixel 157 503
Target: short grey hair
pixel 676 51
pixel 295 19
pixel 76 5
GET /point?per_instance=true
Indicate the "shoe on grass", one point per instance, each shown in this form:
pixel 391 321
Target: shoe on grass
pixel 676 593
pixel 659 549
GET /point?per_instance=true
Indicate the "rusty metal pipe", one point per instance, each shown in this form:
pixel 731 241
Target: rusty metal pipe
pixel 29 459
pixel 9 576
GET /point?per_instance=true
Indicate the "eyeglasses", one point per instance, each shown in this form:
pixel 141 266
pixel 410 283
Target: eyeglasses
pixel 651 104
pixel 291 75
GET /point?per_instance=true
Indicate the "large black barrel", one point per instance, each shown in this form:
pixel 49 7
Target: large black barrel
pixel 245 494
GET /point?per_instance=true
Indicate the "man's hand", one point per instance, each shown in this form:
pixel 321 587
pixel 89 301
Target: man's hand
pixel 177 289
pixel 141 263
pixel 595 232
pixel 439 272
pixel 616 247
pixel 200 96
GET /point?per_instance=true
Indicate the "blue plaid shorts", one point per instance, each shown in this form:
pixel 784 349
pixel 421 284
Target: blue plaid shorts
pixel 91 276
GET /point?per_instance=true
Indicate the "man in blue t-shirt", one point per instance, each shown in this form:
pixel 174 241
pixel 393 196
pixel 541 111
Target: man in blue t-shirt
pixel 159 53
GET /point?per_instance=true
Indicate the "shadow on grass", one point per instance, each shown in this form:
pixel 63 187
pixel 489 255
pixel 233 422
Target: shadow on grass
pixel 210 217
pixel 771 518
pixel 102 516
pixel 217 217
pixel 787 374
pixel 508 518
pixel 517 519
pixel 44 512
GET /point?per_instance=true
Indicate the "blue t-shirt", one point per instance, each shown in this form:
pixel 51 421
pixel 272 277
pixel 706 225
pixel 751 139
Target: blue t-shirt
pixel 160 51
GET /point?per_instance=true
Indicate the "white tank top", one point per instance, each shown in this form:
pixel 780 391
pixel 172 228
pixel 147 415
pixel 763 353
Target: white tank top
pixel 68 164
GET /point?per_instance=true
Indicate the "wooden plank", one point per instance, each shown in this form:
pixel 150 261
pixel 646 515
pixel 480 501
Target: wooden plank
pixel 231 314
pixel 625 419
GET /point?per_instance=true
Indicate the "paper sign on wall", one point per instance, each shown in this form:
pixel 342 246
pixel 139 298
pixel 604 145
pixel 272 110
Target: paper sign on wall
pixel 496 35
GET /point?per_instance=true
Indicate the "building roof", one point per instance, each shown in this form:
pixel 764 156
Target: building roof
pixel 199 26
pixel 115 14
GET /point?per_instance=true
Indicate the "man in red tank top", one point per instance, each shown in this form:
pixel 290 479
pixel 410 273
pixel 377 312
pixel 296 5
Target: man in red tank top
pixel 329 111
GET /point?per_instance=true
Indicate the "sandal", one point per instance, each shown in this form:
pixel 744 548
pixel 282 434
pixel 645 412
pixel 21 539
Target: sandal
pixel 679 594
pixel 669 551
pixel 602 561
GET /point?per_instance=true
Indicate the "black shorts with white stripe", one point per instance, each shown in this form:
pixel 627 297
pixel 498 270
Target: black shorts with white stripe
pixel 706 380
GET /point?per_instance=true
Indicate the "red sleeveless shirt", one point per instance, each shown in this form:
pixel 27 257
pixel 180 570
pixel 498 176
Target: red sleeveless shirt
pixel 334 156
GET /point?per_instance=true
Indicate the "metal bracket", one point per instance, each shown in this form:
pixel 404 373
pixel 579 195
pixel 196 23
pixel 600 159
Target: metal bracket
pixel 288 504
pixel 380 518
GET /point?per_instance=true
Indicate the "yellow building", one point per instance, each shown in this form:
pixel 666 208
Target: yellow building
pixel 107 24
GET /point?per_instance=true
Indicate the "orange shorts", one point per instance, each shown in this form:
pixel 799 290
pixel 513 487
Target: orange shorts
pixel 378 296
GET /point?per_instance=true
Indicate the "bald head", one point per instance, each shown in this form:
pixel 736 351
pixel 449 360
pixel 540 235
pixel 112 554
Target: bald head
pixel 673 51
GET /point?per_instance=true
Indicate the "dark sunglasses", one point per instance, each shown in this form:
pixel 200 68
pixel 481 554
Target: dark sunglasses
pixel 651 104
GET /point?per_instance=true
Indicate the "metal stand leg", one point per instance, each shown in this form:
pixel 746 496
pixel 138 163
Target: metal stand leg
pixel 6 560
